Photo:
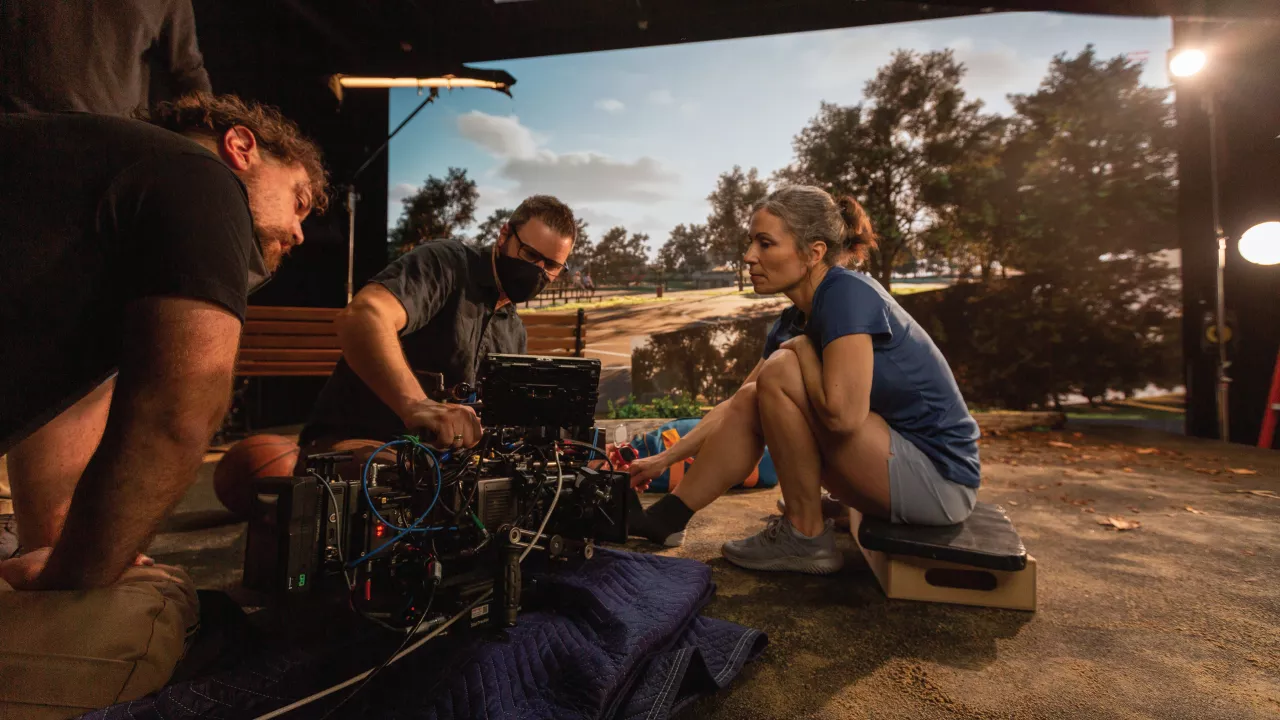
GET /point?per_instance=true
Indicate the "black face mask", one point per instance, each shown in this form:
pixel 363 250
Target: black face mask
pixel 520 280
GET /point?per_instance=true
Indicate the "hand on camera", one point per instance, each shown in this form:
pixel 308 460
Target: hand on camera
pixel 445 426
pixel 644 470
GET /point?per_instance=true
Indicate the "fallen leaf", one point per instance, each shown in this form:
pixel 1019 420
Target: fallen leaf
pixel 1151 497
pixel 1250 553
pixel 1147 451
pixel 1195 511
pixel 1086 456
pixel 1260 493
pixel 1089 510
pixel 1119 523
pixel 1242 471
pixel 1077 435
pixel 1126 469
pixel 1134 510
pixel 1059 444
pixel 1013 502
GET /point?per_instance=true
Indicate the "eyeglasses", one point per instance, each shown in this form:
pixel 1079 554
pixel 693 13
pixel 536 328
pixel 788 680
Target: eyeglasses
pixel 526 252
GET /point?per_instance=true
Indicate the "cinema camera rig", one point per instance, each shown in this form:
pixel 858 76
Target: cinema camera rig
pixel 431 535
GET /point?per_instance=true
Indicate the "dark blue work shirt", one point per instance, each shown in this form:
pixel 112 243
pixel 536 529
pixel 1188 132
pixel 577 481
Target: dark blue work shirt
pixel 912 387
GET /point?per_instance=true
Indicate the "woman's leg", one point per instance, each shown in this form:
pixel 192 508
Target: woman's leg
pixel 728 454
pixel 854 467
pixel 726 458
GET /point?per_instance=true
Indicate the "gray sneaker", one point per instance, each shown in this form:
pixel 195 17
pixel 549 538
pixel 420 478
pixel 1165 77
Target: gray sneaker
pixel 780 547
pixel 8 536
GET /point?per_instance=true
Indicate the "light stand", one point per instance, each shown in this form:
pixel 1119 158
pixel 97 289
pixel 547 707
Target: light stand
pixel 465 77
pixel 352 196
pixel 1224 380
pixel 1260 244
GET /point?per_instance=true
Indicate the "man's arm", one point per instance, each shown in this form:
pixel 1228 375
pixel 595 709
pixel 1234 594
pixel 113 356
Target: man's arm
pixel 173 389
pixel 369 332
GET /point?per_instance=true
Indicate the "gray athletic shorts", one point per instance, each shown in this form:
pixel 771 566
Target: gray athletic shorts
pixel 918 493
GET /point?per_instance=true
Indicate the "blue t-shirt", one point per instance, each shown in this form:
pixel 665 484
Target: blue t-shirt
pixel 912 387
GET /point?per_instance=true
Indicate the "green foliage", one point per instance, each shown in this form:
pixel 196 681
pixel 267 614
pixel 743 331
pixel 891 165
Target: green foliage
pixel 619 258
pixel 730 220
pixel 673 406
pixel 488 231
pixel 686 250
pixel 1029 340
pixel 440 209
pixel 885 151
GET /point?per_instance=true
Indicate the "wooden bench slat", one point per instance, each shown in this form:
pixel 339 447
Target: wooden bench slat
pixel 284 368
pixel 284 327
pixel 540 345
pixel 268 312
pixel 290 354
pixel 253 342
pixel 550 331
pixel 568 319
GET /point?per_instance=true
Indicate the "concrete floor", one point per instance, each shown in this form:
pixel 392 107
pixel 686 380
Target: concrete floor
pixel 1177 619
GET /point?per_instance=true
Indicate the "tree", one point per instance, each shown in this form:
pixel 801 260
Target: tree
pixel 976 202
pixel 729 223
pixel 1102 180
pixel 619 258
pixel 440 209
pixel 487 232
pixel 685 251
pixel 886 150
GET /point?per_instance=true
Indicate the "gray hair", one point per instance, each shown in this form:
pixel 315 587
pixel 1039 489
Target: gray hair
pixel 811 214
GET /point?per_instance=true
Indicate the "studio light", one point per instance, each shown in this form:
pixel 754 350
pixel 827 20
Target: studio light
pixel 1260 244
pixel 1187 63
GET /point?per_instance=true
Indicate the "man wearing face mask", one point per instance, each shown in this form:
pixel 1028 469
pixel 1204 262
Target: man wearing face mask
pixel 129 246
pixel 418 331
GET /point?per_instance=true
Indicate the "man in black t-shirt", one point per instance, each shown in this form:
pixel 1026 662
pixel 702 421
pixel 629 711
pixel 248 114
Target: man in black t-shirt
pixel 129 246
pixel 419 329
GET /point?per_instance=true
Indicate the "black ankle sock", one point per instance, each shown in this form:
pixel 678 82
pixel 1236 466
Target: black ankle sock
pixel 668 515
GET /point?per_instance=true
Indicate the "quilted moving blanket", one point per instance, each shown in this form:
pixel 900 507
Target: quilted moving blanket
pixel 624 641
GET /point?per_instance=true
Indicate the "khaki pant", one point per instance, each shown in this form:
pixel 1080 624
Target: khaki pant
pixel 64 653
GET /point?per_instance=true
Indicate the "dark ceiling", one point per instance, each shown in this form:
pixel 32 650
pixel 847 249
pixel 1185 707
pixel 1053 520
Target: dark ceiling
pixel 407 37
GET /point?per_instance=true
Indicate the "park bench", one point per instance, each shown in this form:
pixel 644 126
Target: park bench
pixel 980 561
pixel 302 342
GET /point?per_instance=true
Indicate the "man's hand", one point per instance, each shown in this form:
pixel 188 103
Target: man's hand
pixel 645 470
pixel 23 572
pixel 444 425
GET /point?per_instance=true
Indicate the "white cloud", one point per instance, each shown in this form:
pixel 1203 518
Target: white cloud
pixel 689 109
pixel 574 177
pixel 591 177
pixel 502 136
pixel 610 105
pixel 400 192
pixel 661 97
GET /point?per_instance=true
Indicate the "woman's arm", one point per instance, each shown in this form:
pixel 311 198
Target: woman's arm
pixel 645 469
pixel 838 383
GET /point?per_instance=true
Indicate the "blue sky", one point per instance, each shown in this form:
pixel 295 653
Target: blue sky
pixel 638 137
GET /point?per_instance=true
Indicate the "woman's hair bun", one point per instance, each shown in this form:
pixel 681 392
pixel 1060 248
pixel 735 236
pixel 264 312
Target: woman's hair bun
pixel 858 235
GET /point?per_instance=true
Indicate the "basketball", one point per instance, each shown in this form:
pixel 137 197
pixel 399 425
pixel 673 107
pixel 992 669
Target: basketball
pixel 257 456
